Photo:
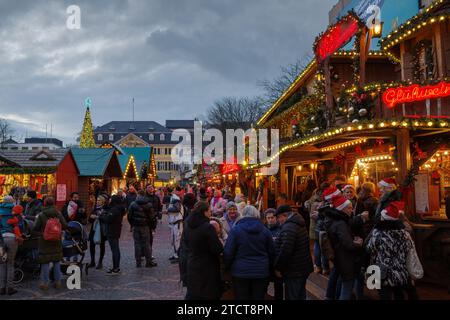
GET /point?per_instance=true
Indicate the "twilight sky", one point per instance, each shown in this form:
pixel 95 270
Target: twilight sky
pixel 175 57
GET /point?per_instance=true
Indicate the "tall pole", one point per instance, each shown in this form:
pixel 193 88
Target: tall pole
pixel 133 110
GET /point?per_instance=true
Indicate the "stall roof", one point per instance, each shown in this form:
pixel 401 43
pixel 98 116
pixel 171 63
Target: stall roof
pixel 140 155
pixel 35 159
pixel 93 162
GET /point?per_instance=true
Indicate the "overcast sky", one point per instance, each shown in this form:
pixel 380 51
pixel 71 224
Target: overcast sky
pixel 175 57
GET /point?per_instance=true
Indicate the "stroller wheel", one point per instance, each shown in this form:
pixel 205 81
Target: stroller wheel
pixel 18 276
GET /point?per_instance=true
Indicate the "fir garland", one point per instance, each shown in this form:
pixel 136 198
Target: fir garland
pixel 43 170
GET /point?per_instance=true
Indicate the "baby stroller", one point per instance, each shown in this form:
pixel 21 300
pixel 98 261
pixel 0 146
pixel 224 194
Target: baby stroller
pixel 74 247
pixel 26 261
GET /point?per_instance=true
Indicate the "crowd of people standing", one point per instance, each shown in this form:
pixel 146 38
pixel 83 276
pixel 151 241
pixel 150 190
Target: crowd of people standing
pixel 225 245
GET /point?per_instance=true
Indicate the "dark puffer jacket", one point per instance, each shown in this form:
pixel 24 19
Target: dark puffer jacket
pixel 249 250
pixel 141 213
pixel 346 253
pixel 113 217
pixel 293 257
pixel 203 266
pixel 368 203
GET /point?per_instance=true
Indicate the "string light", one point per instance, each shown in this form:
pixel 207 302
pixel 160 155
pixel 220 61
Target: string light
pixel 344 145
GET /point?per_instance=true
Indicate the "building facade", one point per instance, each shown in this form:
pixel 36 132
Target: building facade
pixel 145 134
pixel 34 144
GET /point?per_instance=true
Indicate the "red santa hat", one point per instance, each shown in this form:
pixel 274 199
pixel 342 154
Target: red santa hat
pixel 340 203
pixel 393 211
pixel 388 182
pixel 348 186
pixel 330 193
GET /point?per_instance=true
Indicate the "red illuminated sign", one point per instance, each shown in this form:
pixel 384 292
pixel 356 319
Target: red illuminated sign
pixel 336 37
pixel 394 96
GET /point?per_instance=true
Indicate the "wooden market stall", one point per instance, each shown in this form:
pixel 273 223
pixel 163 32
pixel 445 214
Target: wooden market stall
pixel 48 172
pixel 99 171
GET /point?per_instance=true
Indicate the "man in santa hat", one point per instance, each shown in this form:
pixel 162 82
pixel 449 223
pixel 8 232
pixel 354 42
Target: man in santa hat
pixel 345 246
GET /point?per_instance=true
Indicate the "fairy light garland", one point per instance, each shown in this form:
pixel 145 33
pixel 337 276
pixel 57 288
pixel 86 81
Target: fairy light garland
pixel 375 124
pixel 132 163
pixel 413 25
pixel 344 145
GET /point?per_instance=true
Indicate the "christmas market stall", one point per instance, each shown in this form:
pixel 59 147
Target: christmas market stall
pixel 49 172
pixel 138 166
pixel 390 122
pixel 99 171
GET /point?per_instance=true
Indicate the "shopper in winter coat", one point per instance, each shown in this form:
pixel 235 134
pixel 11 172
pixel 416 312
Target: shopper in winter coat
pixel 131 196
pixel 8 246
pixel 203 268
pixel 366 203
pixel 272 224
pixel 49 251
pixel 218 205
pixel 345 246
pixel 249 254
pixel 241 202
pixel 230 217
pixel 189 202
pixel 140 216
pixel 112 218
pixel 94 220
pixel 270 219
pixel 33 206
pixel 388 246
pixel 293 259
pixel 74 209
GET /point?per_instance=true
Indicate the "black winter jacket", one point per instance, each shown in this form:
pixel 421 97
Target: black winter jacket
pixel 369 204
pixel 112 218
pixel 293 256
pixel 203 265
pixel 346 253
pixel 141 213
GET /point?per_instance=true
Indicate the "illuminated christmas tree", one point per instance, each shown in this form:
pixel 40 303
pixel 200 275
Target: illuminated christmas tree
pixel 87 133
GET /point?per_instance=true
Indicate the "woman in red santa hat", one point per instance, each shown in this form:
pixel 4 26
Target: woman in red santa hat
pixel 388 246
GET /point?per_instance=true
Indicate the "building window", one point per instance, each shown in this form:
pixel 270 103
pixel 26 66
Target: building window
pixel 151 137
pixel 162 137
pixel 111 137
pixel 100 137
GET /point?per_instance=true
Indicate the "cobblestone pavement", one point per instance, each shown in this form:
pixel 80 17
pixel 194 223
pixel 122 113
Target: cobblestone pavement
pixel 159 283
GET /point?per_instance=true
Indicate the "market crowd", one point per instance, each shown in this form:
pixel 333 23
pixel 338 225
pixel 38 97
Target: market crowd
pixel 226 247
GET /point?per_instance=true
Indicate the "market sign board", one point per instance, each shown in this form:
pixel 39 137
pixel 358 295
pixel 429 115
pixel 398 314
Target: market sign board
pixel 392 13
pixel 336 37
pixel 414 93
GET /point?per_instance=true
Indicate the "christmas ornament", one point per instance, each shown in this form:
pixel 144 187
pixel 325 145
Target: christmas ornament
pixel 362 112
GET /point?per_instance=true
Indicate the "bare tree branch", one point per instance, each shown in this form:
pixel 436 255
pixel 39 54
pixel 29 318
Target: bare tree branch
pixel 5 131
pixel 234 113
pixel 276 87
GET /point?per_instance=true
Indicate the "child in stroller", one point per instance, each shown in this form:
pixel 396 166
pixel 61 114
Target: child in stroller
pixel 74 247
pixel 26 261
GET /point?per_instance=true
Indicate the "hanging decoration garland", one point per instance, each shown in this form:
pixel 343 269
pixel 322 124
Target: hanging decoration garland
pixel 428 63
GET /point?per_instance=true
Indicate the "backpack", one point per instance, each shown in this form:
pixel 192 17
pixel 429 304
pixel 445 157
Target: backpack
pixel 52 230
pixel 325 245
